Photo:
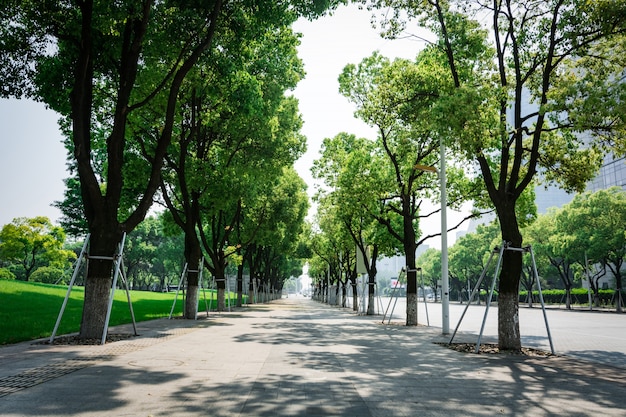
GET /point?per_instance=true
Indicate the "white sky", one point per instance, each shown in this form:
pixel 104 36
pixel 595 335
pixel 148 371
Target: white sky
pixel 32 157
pixel 32 161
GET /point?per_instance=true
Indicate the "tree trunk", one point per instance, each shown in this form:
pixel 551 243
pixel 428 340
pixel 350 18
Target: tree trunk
pixel 411 309
pixel 371 304
pixel 371 286
pixel 221 298
pixel 251 289
pixel 411 291
pixel 97 289
pixel 508 291
pixel 193 254
pixel 326 291
pixel 409 252
pixel 618 289
pixel 219 272
pixel 98 284
pixel 191 298
pixel 239 286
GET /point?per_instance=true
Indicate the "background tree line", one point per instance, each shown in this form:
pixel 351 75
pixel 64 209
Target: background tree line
pixel 35 250
pixel 581 241
pixel 508 93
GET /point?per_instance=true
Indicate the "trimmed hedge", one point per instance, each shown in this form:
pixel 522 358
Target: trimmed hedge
pixel 579 296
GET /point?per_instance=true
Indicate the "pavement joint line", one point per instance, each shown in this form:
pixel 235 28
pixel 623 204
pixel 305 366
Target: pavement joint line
pixel 38 375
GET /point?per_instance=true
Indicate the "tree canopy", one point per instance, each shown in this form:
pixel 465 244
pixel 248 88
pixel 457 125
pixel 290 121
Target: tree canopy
pixel 103 65
pixel 526 76
pixel 404 101
pixel 27 244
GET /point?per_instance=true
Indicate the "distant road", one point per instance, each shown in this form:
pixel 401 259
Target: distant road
pixel 591 335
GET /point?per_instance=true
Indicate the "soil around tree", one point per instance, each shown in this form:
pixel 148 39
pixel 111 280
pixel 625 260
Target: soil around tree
pixel 75 340
pixel 493 349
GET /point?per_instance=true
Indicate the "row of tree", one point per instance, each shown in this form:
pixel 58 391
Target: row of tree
pixel 508 93
pixel 183 101
pixel 36 250
pixel 579 242
pixel 188 99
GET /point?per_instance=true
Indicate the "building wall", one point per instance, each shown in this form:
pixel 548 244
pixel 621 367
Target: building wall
pixel 612 174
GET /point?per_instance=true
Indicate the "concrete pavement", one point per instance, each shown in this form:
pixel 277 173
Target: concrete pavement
pixel 296 357
pixel 597 336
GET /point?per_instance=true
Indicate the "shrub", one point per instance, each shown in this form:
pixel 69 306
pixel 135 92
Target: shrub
pixel 48 275
pixel 6 274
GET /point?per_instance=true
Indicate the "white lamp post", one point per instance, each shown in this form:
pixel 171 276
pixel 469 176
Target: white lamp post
pixel 445 292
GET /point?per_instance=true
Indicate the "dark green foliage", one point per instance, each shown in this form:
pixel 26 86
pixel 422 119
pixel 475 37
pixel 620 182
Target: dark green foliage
pixel 580 296
pixel 6 274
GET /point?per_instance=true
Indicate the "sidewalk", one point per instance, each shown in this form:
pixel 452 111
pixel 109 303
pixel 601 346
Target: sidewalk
pixel 295 357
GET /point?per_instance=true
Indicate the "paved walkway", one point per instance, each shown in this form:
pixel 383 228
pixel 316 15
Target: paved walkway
pixel 296 357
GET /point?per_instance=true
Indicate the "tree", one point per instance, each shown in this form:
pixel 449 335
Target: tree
pixel 102 64
pixel 430 263
pixel 548 240
pixel 102 54
pixel 337 248
pixel 326 243
pixel 397 98
pixel 348 168
pixel 522 118
pixel 151 255
pixel 593 227
pixel 72 215
pixel 27 244
pixel 6 274
pixel 271 229
pixel 470 254
pixel 237 130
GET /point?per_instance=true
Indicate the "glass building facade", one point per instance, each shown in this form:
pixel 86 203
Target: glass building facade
pixel 612 174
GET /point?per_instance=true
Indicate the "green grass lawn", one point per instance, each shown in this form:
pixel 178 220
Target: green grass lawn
pixel 29 310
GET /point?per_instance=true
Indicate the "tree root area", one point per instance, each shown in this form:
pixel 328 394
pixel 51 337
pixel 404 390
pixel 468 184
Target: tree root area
pixel 75 340
pixel 492 349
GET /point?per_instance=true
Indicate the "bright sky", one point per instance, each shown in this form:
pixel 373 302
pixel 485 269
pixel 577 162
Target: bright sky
pixel 327 46
pixel 32 157
pixel 32 161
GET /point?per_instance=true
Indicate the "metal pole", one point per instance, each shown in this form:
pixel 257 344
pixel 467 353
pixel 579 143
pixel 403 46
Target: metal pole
pixel 480 280
pixel 588 282
pixel 228 291
pixel 180 281
pixel 206 304
pixel 69 288
pixel 195 316
pixel 543 306
pixel 445 296
pixel 130 303
pixel 424 295
pixel 393 292
pixel 118 262
pixel 493 285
